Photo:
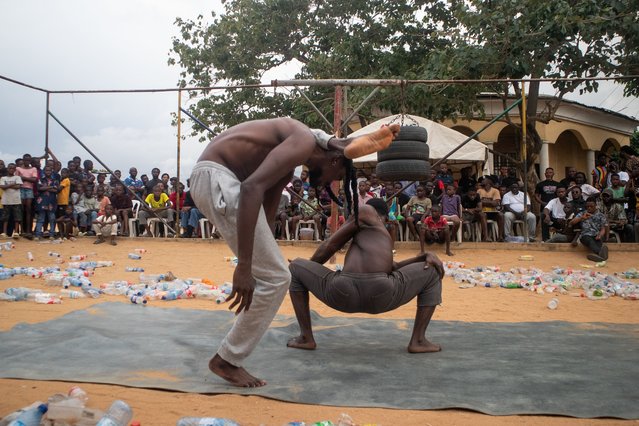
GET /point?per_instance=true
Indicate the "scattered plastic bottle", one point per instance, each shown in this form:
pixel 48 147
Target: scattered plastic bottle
pixel 5 275
pixel 54 254
pixel 78 257
pixel 119 414
pixel 20 293
pixel 553 303
pixel 47 299
pixel 173 295
pixel 135 256
pixel 596 294
pixel 205 421
pixel 138 299
pixel 30 256
pixel 139 250
pixel 78 393
pixel 134 269
pixel 220 299
pixel 30 417
pixel 73 294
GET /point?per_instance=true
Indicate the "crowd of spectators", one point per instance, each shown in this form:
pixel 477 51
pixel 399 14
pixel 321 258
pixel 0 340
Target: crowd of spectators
pixel 42 199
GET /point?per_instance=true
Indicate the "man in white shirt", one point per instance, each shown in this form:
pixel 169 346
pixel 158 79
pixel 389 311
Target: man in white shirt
pixel 513 207
pixel 554 214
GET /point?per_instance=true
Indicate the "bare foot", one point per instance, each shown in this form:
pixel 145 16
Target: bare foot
pixel 371 142
pixel 301 342
pixel 423 346
pixel 450 253
pixel 237 376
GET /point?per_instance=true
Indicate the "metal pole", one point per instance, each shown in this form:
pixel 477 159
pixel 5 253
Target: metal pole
pixel 107 168
pixel 194 118
pixel 46 128
pixel 179 139
pixel 337 118
pixel 525 154
pixel 328 123
pixel 356 110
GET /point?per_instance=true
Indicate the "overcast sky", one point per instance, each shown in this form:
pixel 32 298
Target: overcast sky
pixel 117 44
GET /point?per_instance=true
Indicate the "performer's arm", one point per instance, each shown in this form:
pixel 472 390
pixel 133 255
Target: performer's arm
pixel 329 247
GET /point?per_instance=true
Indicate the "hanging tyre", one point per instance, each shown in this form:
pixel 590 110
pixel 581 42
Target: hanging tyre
pixel 404 150
pixel 394 170
pixel 412 133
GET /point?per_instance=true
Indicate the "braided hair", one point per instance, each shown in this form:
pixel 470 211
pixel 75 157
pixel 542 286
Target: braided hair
pixel 350 188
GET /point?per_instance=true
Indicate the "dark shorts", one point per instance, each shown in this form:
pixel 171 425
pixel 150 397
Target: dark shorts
pixel 8 209
pixel 371 293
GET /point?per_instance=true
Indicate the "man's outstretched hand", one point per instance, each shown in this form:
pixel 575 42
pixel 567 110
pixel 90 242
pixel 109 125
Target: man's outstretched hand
pixel 433 261
pixel 243 287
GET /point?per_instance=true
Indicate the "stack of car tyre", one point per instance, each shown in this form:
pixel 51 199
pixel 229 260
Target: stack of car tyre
pixel 407 156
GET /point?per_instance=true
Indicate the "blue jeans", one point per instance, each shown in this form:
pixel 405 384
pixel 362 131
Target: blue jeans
pixel 190 218
pixel 50 217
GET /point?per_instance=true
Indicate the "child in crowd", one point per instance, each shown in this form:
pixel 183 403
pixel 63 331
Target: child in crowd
pixel 67 223
pixel 106 224
pixel 29 177
pixel 452 208
pixel 64 192
pixel 102 199
pixel 435 229
pixel 418 206
pixel 11 201
pixel 47 202
pixel 311 210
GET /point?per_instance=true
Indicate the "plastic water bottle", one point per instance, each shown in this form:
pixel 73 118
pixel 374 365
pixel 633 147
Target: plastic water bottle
pixel 220 299
pixel 47 299
pixel 78 393
pixel 5 275
pixel 73 294
pixel 119 414
pixel 78 257
pixel 134 256
pixel 31 417
pixel 173 295
pixel 205 421
pixel 138 299
pixel 20 293
pixel 134 269
pixel 30 256
pixel 139 250
pixel 554 302
pixel 54 254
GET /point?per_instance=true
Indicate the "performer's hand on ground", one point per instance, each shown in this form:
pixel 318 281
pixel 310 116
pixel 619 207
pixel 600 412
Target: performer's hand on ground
pixel 433 260
pixel 243 287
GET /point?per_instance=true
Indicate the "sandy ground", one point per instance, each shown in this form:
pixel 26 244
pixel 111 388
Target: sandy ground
pixel 196 258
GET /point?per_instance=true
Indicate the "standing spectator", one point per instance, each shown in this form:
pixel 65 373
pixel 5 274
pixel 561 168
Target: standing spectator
pixel 417 207
pixel 554 214
pixel 30 176
pixel 491 204
pixel 628 156
pixel 11 201
pixel 157 202
pixel 134 184
pixel 546 189
pixel 435 229
pixel 466 181
pixel 64 192
pixel 594 230
pixel 452 208
pixel 600 172
pixel 472 211
pixel 150 184
pixel 87 172
pixel 613 168
pixel 568 181
pixel 107 224
pixel 376 186
pixel 442 180
pixel 123 207
pixel 513 205
pixel 46 203
pixel 402 197
pixel 166 181
pixel 363 193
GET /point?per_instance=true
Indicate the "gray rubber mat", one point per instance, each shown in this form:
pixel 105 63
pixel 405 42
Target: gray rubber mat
pixel 579 370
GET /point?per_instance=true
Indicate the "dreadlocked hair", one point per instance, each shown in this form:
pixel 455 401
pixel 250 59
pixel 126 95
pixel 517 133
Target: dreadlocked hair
pixel 332 196
pixel 350 188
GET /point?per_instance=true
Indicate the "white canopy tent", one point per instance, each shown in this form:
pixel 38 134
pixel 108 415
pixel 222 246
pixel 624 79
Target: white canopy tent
pixel 441 140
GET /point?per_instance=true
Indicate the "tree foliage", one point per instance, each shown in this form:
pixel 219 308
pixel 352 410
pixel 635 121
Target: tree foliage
pixel 417 39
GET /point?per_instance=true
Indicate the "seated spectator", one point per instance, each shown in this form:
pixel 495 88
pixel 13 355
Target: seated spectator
pixel 594 230
pixel 576 200
pixel 150 183
pixel 452 208
pixel 311 210
pixel 564 232
pixel 102 199
pixel 472 211
pixel 586 190
pixel 86 210
pixel 613 169
pixel 615 215
pixel 491 205
pixel 46 202
pixel 166 181
pixel 402 197
pixel 414 211
pixel 157 205
pixel 101 183
pixel 189 215
pixel 174 195
pixel 67 224
pixel 513 205
pixel 435 229
pixel 122 206
pixel 553 214
pixel 466 182
pixel 106 224
pixel 282 216
pixel 375 187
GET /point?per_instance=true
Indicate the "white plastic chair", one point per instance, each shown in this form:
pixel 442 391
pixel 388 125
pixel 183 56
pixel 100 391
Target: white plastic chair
pixel 310 222
pixel 133 221
pixel 207 229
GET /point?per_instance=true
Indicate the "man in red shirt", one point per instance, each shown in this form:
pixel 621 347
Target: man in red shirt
pixel 435 229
